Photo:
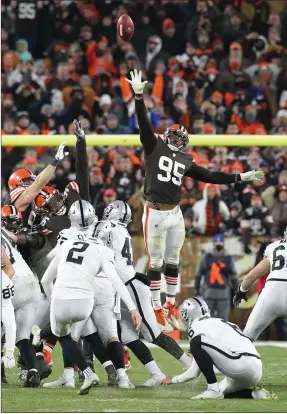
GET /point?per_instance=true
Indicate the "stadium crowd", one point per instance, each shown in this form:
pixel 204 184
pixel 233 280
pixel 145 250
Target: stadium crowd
pixel 217 67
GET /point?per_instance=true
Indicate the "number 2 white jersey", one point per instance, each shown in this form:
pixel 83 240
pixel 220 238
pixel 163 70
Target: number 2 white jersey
pixel 71 234
pixel 78 263
pixel 122 247
pixel 277 254
pixel 220 331
pixel 20 266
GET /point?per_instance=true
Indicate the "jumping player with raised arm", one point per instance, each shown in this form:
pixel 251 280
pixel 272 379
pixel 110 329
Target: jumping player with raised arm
pixel 163 224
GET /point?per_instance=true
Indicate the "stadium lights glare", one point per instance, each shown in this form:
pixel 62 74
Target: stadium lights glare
pixel 133 140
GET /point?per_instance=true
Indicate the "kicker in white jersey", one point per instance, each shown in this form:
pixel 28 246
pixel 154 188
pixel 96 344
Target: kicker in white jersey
pixel 277 254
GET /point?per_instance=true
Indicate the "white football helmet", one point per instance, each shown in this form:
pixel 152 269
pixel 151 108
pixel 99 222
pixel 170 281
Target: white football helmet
pixel 193 308
pixel 82 214
pixel 101 233
pixel 118 211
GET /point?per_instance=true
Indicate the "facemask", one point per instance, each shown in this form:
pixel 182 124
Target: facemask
pixel 218 247
pixel 250 117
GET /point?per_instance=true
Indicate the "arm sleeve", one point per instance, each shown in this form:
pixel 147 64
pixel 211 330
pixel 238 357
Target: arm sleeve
pixel 58 223
pixel 147 137
pixel 49 276
pixel 8 319
pixel 110 271
pixel 233 274
pixel 199 273
pixel 82 169
pixel 203 174
pixel 191 374
pixel 36 241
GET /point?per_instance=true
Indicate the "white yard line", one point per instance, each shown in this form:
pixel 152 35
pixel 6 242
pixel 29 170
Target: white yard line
pixel 185 344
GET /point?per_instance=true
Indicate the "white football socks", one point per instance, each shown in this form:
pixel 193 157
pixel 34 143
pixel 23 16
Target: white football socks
pixel 153 368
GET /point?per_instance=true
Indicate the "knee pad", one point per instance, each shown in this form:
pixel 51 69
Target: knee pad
pixel 171 270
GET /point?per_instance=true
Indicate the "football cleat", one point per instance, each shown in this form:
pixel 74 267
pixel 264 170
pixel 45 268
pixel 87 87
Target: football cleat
pixel 33 379
pixel 124 382
pixel 209 395
pixel 154 380
pixel 162 321
pixel 260 393
pixel 127 360
pixel 3 375
pixel 112 379
pixel 80 373
pixel 61 383
pixel 47 355
pixel 172 314
pixel 36 340
pixel 23 375
pixel 44 369
pixel 89 382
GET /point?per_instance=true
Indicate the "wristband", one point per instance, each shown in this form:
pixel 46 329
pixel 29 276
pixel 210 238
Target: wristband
pixel 54 162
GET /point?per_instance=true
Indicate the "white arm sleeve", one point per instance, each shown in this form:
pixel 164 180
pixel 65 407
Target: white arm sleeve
pixel 191 374
pixel 49 276
pixel 8 319
pixel 110 271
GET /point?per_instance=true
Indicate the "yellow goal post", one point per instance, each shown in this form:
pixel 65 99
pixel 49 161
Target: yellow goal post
pixel 133 140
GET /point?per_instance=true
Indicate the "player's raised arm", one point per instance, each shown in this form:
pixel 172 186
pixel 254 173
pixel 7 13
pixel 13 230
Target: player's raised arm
pixel 147 136
pixel 26 198
pixel 203 174
pixel 262 269
pixel 82 167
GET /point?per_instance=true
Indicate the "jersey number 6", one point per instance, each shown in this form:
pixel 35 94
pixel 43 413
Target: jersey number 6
pixel 73 256
pixel 171 169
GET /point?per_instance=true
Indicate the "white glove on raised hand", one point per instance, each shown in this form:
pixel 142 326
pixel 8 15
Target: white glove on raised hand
pixel 8 359
pixel 252 175
pixel 136 82
pixel 60 153
pixel 79 130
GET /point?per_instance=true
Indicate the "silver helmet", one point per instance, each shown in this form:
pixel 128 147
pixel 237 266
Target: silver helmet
pixel 82 214
pixel 101 233
pixel 192 309
pixel 118 211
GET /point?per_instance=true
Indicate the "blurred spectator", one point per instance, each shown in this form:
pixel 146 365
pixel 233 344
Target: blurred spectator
pixel 217 270
pixel 109 195
pixel 123 179
pixel 256 220
pixel 210 212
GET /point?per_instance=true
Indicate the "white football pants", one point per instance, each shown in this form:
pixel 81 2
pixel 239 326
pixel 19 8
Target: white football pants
pixel 242 371
pixel 150 329
pixel 103 317
pixel 164 234
pixel 27 294
pixel 65 312
pixel 271 304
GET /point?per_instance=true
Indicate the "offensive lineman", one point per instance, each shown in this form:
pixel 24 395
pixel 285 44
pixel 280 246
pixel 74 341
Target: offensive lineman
pixel 272 301
pixel 25 299
pixel 72 297
pixel 119 214
pixel 215 342
pixel 163 226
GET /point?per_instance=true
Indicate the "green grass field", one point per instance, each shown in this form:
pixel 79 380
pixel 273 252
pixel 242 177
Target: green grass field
pixel 173 398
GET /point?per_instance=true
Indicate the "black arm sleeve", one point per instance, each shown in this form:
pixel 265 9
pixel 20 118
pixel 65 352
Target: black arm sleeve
pixel 82 169
pixel 147 137
pixel 202 174
pixel 36 241
pixel 58 223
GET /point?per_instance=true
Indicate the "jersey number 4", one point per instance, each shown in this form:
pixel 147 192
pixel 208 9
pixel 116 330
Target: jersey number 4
pixel 278 261
pixel 173 170
pixel 127 251
pixel 74 256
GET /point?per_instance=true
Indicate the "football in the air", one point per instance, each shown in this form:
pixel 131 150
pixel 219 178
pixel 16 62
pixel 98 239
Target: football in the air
pixel 125 27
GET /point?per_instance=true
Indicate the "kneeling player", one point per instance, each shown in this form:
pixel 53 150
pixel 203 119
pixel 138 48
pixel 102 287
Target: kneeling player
pixel 214 342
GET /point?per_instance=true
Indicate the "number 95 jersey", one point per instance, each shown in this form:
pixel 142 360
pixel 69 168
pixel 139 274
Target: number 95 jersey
pixel 164 172
pixel 277 254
